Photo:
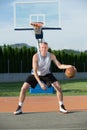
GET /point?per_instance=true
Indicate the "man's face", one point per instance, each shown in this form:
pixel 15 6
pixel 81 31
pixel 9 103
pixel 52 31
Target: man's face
pixel 43 49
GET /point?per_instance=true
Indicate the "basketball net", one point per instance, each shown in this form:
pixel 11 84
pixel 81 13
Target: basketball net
pixel 37 28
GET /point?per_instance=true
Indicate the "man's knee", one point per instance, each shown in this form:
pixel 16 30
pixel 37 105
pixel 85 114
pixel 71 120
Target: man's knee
pixel 25 87
pixel 57 86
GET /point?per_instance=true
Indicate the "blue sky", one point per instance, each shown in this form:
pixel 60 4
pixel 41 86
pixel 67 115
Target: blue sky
pixel 73 21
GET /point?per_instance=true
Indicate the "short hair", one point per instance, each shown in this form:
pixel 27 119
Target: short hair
pixel 44 43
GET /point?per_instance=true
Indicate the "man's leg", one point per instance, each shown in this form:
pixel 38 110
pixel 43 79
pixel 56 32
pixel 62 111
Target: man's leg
pixel 22 95
pixel 58 89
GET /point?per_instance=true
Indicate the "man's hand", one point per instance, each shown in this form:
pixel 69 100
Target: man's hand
pixel 42 85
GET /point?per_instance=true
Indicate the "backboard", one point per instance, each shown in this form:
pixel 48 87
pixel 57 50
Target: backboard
pixel 47 12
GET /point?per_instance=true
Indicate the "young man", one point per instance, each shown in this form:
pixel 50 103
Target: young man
pixel 41 72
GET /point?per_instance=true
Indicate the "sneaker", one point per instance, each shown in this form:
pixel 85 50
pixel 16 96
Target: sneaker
pixel 62 109
pixel 18 111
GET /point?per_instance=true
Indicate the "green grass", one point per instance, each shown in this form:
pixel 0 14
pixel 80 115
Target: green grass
pixel 10 89
pixel 70 87
pixel 76 87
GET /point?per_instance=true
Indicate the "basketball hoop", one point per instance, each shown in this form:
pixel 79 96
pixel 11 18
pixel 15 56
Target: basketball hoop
pixel 37 24
pixel 38 32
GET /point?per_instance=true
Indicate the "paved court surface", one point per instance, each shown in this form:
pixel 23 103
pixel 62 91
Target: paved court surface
pixel 42 113
pixel 75 120
pixel 43 103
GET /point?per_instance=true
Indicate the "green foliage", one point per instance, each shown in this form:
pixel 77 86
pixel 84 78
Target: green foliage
pixel 19 60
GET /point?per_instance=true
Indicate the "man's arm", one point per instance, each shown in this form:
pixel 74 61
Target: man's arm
pixel 35 68
pixel 58 64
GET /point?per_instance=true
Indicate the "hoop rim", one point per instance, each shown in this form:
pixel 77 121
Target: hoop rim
pixel 37 24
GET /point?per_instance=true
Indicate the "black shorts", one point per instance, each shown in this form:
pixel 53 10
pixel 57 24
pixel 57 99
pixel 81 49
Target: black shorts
pixel 47 79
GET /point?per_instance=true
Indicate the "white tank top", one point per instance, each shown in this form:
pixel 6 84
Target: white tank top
pixel 44 64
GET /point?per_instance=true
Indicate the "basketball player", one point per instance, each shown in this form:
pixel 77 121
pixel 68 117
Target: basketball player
pixel 41 63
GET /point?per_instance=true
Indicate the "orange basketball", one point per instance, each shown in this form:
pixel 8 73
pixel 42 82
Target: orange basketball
pixel 70 72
